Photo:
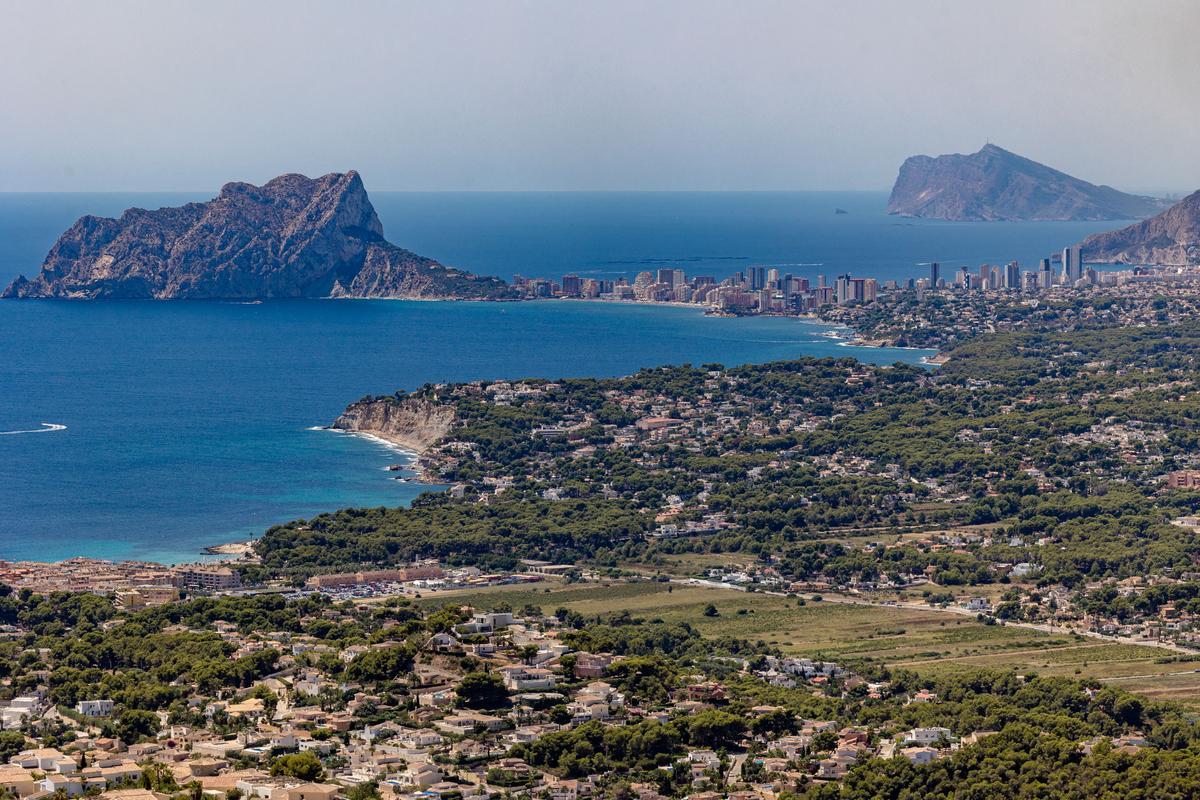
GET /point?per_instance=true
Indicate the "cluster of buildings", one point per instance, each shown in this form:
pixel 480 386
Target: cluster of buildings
pixel 970 301
pixel 1184 479
pixel 1174 623
pixel 762 290
pixel 423 745
pixel 1010 276
pixel 135 584
pixel 755 290
pixel 425 575
pixel 95 766
pixel 1066 271
pixel 969 304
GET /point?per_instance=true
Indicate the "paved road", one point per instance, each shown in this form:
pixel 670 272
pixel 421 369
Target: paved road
pixel 735 769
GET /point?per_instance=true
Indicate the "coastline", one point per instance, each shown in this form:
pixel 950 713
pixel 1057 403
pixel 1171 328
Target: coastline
pixel 832 331
pixel 409 448
pixel 232 538
pixel 230 550
pixel 650 303
pixel 401 445
pixel 936 360
pixel 412 453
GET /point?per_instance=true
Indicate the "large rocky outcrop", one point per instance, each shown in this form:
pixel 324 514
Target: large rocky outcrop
pixel 292 237
pixel 411 422
pixel 995 184
pixel 1171 238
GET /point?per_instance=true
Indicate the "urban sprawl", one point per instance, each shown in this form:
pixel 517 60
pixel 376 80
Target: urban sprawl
pixel 770 290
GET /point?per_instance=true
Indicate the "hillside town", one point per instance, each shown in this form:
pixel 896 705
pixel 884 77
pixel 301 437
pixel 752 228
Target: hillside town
pixel 475 711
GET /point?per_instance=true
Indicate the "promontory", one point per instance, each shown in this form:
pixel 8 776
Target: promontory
pixel 995 184
pixel 292 237
pixel 1170 239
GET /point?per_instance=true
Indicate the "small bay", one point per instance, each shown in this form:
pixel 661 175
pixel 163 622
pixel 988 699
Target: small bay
pixel 188 424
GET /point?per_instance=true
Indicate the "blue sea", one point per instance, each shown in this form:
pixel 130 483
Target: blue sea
pixel 189 424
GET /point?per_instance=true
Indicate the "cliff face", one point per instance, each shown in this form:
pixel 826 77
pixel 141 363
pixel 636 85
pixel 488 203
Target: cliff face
pixel 1171 238
pixel 995 184
pixel 412 423
pixel 292 237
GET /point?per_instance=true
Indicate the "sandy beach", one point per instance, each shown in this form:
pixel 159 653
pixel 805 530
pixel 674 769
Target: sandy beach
pixel 403 445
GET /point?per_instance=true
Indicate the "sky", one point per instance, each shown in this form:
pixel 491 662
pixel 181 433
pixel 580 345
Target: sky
pixel 580 95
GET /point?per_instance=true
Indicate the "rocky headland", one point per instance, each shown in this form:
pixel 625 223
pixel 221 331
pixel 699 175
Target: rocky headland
pixel 292 237
pixel 412 423
pixel 995 184
pixel 1171 238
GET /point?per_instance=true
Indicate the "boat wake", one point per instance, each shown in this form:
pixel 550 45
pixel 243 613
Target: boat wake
pixel 47 427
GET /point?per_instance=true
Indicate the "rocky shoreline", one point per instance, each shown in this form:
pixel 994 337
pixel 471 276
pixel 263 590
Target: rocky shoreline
pixel 230 549
pixel 410 446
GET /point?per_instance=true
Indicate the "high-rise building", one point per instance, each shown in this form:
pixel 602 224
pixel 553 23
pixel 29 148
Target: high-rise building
pixel 935 275
pixel 642 284
pixel 795 285
pixel 1045 274
pixel 870 290
pixel 1012 275
pixel 1072 261
pixel 572 286
pixel 666 276
pixel 758 278
pixel 858 289
pixel 841 289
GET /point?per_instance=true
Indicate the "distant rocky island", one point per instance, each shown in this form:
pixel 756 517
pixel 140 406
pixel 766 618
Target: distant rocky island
pixel 292 237
pixel 994 184
pixel 1171 239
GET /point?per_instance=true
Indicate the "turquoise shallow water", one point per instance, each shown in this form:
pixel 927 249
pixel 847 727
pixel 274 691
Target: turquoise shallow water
pixel 188 423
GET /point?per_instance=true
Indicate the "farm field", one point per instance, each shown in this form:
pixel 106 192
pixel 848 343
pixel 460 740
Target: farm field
pixel 926 641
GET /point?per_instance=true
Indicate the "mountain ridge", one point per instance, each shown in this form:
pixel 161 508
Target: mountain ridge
pixel 1171 238
pixel 995 184
pixel 292 237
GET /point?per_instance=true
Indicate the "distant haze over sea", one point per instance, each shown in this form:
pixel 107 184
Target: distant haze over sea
pixel 599 234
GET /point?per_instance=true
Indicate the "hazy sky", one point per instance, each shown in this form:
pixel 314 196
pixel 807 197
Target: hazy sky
pixel 579 95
